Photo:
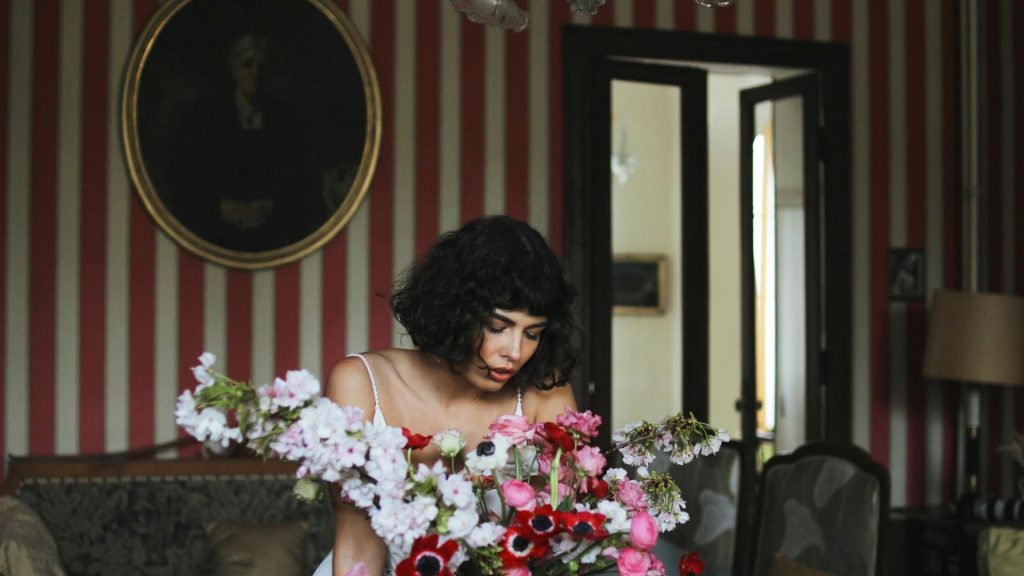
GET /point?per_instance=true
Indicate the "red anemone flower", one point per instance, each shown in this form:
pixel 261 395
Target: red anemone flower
pixel 518 547
pixel 415 441
pixel 540 522
pixel 558 436
pixel 690 563
pixel 584 525
pixel 427 558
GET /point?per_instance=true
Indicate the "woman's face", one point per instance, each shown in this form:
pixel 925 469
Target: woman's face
pixel 510 338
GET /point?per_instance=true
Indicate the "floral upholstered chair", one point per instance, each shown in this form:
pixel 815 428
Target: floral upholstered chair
pixel 823 509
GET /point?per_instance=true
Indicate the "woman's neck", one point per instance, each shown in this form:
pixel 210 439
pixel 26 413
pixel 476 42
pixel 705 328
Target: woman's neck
pixel 447 383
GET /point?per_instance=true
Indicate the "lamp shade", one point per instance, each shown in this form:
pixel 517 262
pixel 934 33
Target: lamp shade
pixel 976 337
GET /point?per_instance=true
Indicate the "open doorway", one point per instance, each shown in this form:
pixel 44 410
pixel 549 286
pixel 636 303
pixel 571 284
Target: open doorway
pixel 715 321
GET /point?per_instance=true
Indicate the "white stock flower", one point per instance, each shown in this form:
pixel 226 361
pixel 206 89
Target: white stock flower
pixel 485 534
pixel 200 372
pixel 616 520
pixel 386 464
pixel 451 442
pixel 401 523
pixel 212 424
pixel 384 438
pixel 424 472
pixel 185 412
pixel 488 455
pixel 207 359
pixel 391 489
pixel 614 475
pixel 359 491
pixel 457 490
pixel 296 389
pixel 462 522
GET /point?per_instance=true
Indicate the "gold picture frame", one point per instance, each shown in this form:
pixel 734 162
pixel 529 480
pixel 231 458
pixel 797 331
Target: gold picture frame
pixel 639 284
pixel 251 128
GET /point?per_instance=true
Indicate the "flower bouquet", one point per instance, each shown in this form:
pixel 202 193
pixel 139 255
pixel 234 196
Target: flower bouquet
pixel 529 499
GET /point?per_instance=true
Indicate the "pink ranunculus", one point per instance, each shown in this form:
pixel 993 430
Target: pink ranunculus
pixel 590 460
pixel 631 495
pixel 657 567
pixel 518 429
pixel 643 531
pixel 517 571
pixel 519 494
pixel 585 423
pixel 633 562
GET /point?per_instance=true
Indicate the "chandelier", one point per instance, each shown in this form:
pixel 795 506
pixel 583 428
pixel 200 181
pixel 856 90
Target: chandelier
pixel 507 15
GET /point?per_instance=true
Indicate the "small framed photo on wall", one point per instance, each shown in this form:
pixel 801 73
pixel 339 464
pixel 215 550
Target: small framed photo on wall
pixel 639 283
pixel 906 274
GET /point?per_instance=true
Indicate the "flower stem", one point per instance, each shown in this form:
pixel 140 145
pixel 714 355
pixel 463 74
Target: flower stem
pixel 553 478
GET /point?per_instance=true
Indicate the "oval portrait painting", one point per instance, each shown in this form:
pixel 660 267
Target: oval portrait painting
pixel 251 127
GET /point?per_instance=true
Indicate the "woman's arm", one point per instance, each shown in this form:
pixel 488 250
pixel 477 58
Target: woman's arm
pixel 354 538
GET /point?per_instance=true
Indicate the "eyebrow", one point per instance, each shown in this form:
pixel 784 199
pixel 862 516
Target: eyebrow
pixel 511 321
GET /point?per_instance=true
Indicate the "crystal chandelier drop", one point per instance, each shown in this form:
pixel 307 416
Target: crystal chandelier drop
pixel 507 15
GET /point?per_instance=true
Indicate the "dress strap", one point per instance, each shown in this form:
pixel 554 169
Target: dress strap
pixel 373 384
pixel 519 400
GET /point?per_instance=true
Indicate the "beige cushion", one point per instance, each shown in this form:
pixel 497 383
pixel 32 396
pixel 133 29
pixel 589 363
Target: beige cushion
pixel 1001 551
pixel 258 549
pixel 783 565
pixel 26 547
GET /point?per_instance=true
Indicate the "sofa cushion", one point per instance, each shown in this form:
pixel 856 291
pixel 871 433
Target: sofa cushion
pixel 274 549
pixel 26 546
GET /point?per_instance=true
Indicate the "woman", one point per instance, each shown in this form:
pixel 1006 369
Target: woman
pixel 489 310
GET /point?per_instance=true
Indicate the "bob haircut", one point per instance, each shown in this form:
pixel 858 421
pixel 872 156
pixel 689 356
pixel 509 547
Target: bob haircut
pixel 496 262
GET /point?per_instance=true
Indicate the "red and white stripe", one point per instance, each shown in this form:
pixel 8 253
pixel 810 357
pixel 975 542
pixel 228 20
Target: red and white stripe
pixel 102 314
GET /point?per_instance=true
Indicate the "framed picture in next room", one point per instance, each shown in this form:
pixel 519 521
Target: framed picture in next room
pixel 639 283
pixel 906 274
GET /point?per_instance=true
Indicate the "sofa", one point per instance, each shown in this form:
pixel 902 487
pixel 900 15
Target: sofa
pixel 117 516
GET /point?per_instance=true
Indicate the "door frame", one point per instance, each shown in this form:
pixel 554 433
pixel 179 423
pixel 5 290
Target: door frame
pixel 805 86
pixel 586 53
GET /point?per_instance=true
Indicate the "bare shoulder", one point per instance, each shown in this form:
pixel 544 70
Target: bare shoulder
pixel 544 405
pixel 348 384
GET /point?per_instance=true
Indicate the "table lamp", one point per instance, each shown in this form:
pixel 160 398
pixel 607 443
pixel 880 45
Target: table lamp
pixel 975 338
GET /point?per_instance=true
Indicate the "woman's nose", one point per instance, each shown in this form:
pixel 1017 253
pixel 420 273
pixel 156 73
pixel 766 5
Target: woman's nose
pixel 513 349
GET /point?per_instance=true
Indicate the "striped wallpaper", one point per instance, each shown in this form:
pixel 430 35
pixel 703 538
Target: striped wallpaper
pixel 101 312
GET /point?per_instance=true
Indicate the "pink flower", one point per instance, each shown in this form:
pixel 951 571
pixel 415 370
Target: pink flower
pixel 590 460
pixel 643 531
pixel 585 423
pixel 657 567
pixel 631 494
pixel 518 429
pixel 519 494
pixel 633 562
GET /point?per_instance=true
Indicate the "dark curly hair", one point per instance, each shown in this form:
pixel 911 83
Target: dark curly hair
pixel 496 262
